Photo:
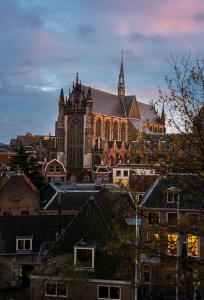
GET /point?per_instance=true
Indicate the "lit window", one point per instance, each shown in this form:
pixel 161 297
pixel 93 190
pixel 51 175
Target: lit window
pixel 172 218
pixel 152 237
pixel 56 289
pixel 118 173
pixel 24 243
pixel 58 169
pixel 153 218
pixel 109 292
pixel 84 255
pixel 172 243
pixel 193 245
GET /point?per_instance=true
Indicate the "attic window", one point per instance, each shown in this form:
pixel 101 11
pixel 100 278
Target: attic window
pixel 24 243
pixel 51 169
pixel 58 169
pixel 84 255
pixel 172 195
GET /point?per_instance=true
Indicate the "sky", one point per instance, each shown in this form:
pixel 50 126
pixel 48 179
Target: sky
pixel 43 43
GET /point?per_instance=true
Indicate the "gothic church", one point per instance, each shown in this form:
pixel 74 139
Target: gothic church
pixel 92 126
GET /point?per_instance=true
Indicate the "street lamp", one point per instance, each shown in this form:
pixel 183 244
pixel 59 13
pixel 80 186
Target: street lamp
pixel 59 204
pixel 177 257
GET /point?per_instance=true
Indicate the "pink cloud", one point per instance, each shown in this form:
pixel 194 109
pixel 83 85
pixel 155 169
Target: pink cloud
pixel 46 45
pixel 167 17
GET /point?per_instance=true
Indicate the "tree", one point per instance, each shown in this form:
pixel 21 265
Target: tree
pixel 29 165
pixel 59 268
pixel 184 105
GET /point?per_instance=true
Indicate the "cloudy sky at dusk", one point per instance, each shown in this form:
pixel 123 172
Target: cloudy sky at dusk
pixel 43 43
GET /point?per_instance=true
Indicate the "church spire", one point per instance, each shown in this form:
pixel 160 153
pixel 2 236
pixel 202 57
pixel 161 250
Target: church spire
pixel 61 98
pixel 121 80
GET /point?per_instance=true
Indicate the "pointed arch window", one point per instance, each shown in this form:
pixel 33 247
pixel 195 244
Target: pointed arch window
pixel 98 127
pixel 123 132
pixel 115 130
pixel 107 130
pixel 75 144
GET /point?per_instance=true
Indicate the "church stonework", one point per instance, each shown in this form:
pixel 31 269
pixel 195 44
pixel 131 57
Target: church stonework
pixel 92 126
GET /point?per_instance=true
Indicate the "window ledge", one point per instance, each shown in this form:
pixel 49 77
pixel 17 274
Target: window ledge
pixel 79 269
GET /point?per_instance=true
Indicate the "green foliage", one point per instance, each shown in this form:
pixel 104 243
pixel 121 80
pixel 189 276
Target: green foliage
pixel 61 266
pixel 29 165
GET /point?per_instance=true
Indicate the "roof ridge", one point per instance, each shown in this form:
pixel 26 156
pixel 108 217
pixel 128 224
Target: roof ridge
pixel 149 191
pixel 101 91
pixel 29 182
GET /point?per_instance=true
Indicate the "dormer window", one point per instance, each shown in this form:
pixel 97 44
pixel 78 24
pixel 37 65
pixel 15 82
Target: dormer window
pixel 172 195
pixel 24 243
pixel 84 255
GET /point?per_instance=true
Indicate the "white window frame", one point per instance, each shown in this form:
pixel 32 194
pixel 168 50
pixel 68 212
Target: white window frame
pixel 56 295
pixel 116 175
pixel 172 197
pixel 138 196
pixel 126 176
pixel 24 239
pixel 92 260
pixel 108 286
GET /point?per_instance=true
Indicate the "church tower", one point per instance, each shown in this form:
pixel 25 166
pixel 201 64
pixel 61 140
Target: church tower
pixel 59 130
pixel 121 80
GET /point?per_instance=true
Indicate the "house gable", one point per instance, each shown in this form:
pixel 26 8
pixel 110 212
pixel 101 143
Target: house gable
pixel 134 111
pixel 92 227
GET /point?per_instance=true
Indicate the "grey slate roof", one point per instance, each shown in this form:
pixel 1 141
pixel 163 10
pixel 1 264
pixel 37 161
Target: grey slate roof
pixel 92 225
pixel 72 201
pixel 139 124
pixel 191 192
pixel 113 105
pixel 42 228
pixel 106 103
pixel 146 112
pixel 127 102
